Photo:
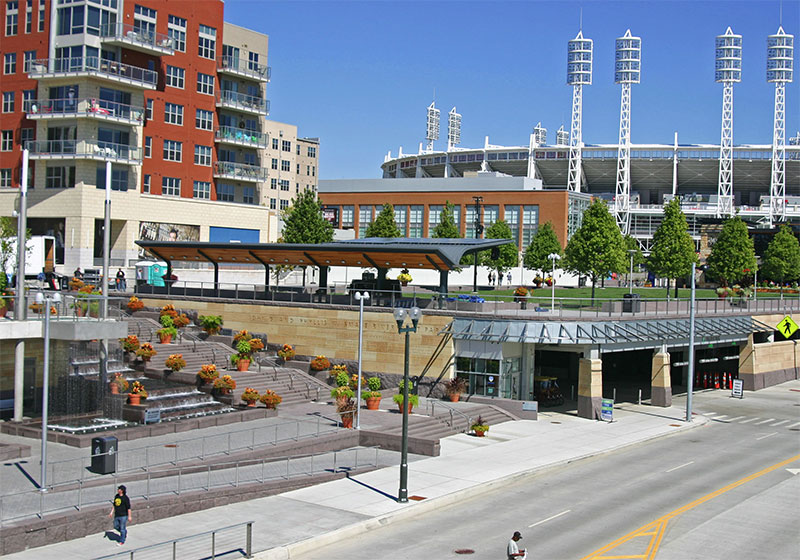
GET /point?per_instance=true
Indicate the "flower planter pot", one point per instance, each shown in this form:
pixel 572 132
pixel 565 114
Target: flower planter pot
pixel 251 404
pixel 479 433
pixel 165 338
pixel 3 311
pixel 243 365
pixel 94 314
pixel 271 406
pixel 80 312
pixel 373 403
pixel 454 397
pixel 400 407
pixel 114 388
pixel 347 421
pixel 224 391
pixel 134 399
pixel 404 283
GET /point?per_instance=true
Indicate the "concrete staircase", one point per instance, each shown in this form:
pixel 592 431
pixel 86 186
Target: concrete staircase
pixel 292 385
pixel 438 426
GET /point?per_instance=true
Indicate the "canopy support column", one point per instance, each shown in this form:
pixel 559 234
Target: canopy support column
pixel 215 264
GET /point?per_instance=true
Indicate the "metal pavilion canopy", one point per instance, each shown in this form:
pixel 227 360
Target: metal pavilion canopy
pixel 612 335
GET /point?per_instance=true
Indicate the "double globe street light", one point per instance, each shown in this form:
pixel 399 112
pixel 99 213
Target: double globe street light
pixel 401 315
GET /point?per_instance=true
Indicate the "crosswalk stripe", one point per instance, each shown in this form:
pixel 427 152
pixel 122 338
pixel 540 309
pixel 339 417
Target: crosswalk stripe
pixel 721 417
pixel 779 423
pixel 735 419
pixel 793 425
pixel 764 421
pixel 748 420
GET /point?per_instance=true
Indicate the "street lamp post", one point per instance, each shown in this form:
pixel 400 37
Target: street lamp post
pixel 400 316
pixel 361 297
pixel 631 252
pixel 553 257
pixel 690 373
pixel 46 300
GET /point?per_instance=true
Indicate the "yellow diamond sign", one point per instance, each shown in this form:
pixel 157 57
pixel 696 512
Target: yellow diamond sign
pixel 787 327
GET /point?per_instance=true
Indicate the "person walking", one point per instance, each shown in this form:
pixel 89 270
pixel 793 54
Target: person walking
pixel 78 274
pixel 121 512
pixel 491 278
pixel 508 277
pixel 512 550
pixel 121 284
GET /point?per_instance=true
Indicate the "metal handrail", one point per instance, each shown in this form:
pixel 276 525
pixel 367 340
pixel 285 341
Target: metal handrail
pixel 430 403
pixel 247 67
pixel 136 34
pixel 242 135
pixel 79 64
pixel 86 148
pixel 241 170
pixel 89 106
pixel 248 549
pixel 244 101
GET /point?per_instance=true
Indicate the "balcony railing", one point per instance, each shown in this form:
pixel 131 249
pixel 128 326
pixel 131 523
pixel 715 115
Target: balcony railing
pixel 84 149
pixel 89 107
pixel 240 171
pixel 136 36
pixel 95 66
pixel 241 67
pixel 231 135
pixel 243 102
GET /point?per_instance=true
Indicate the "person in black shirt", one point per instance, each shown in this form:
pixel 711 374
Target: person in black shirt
pixel 121 512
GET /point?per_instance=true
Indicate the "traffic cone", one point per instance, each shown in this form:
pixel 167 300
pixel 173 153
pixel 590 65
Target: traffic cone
pixel 705 380
pixel 716 381
pixel 730 380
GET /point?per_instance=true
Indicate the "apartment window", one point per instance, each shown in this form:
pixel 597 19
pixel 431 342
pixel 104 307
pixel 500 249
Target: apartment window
pixel 298 169
pixel 364 219
pixel 27 58
pixel 286 146
pixel 148 146
pixel 10 63
pixel 511 217
pixel 491 213
pixel 274 143
pixel 201 189
pixel 207 46
pixel 42 14
pixel 170 186
pixel 70 20
pixel 176 76
pixel 28 97
pixel 172 150
pixel 28 16
pixel 5 178
pixel 273 203
pixel 27 135
pixel 12 17
pixel 249 195
pixel 284 184
pixel 273 184
pixel 173 114
pixel 252 61
pixel 225 192
pixel 284 204
pixel 62 177
pixel 119 178
pixel 6 140
pixel 400 213
pixel 275 163
pixel 205 83
pixel 202 155
pixel 146 184
pixel 298 148
pixel 8 101
pixel 313 170
pixel 308 170
pixel 176 29
pixel 312 151
pixel 297 187
pixel 148 110
pixel 415 216
pixel 204 119
pixel 530 223
pixel 285 165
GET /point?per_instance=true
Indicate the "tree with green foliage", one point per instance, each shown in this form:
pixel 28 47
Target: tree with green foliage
pixel 732 254
pixel 384 225
pixel 8 245
pixel 597 249
pixel 782 257
pixel 446 228
pixel 638 258
pixel 508 254
pixel 673 250
pixel 303 222
pixel 544 243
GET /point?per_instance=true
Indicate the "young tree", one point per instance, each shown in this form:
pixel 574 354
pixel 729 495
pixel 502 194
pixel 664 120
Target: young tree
pixel 303 222
pixel 508 255
pixel 384 225
pixel 638 258
pixel 597 249
pixel 544 243
pixel 8 245
pixel 732 253
pixel 673 250
pixel 782 257
pixel 446 228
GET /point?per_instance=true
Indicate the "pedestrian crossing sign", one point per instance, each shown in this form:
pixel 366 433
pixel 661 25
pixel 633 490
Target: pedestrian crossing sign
pixel 787 327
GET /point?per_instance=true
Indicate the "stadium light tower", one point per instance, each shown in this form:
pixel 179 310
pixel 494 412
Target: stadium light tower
pixel 579 74
pixel 627 67
pixel 453 129
pixel 728 71
pixel 780 53
pixel 432 133
pixel 562 136
pixel 538 138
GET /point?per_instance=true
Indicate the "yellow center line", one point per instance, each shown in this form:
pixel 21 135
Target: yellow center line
pixel 658 527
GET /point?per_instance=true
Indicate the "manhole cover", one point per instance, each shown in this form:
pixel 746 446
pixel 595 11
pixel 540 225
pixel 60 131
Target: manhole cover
pixel 464 551
pixel 416 498
pixel 171 445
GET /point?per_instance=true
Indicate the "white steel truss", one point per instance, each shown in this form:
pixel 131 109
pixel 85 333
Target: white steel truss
pixel 574 179
pixel 777 191
pixel 622 199
pixel 725 185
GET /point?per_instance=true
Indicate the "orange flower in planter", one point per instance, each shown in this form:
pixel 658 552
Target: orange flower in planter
pixel 320 363
pixel 208 372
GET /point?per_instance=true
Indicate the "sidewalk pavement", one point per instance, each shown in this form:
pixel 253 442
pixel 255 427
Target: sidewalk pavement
pixel 288 524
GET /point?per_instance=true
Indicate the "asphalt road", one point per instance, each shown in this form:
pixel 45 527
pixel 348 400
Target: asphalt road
pixel 724 491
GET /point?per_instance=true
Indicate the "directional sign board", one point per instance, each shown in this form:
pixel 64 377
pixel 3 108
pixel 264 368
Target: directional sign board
pixel 607 410
pixel 738 389
pixel 787 327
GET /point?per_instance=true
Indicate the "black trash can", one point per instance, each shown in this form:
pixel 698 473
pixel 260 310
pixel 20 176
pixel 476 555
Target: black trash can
pixel 104 455
pixel 631 303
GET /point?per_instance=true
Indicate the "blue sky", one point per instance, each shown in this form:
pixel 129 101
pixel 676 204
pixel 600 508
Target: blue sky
pixel 359 75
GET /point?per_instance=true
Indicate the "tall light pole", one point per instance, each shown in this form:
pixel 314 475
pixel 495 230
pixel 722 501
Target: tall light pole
pixel 19 307
pixel 690 380
pixel 627 70
pixel 632 253
pixel 728 71
pixel 780 66
pixel 400 316
pixel 553 257
pixel 46 300
pixel 579 74
pixel 361 297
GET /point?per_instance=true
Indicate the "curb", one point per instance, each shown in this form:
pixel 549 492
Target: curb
pixel 291 550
